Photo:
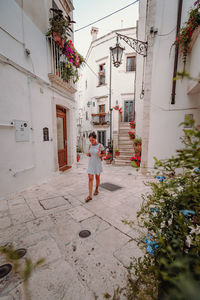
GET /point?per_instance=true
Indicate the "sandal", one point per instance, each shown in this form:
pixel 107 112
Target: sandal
pixel 88 199
pixel 96 192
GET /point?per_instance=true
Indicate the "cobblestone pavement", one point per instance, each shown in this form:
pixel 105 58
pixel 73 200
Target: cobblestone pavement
pixel 47 220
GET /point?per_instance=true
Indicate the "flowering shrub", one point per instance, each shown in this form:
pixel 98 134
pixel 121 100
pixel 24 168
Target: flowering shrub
pixel 116 107
pixel 184 38
pixel 72 55
pixel 107 157
pixel 136 160
pixel 132 124
pixel 131 134
pixel 170 216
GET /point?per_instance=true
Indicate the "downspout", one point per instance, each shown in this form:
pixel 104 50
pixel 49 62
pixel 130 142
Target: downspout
pixel 173 95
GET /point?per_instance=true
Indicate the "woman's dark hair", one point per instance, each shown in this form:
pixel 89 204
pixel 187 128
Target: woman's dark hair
pixel 93 134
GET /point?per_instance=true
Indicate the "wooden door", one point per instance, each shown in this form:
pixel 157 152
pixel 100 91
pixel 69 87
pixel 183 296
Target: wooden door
pixel 61 136
pixel 128 111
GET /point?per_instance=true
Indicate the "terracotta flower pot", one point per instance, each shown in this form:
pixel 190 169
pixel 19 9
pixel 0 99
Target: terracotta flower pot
pixel 56 37
pixel 138 147
pixel 108 161
pixel 62 43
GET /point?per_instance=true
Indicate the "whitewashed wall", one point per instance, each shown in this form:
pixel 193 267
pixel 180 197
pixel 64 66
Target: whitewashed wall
pixel 164 118
pixel 122 81
pixel 26 95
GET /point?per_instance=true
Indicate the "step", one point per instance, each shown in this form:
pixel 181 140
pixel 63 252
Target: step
pixel 122 163
pixel 125 144
pixel 126 151
pixel 122 157
pixel 125 148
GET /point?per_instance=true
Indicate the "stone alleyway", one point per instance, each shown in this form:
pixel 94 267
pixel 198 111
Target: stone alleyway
pixel 47 220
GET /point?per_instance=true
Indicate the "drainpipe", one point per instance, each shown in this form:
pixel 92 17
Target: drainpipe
pixel 180 3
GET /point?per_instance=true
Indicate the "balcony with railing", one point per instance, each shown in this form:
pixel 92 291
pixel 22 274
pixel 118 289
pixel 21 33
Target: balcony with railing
pixel 61 76
pixel 101 119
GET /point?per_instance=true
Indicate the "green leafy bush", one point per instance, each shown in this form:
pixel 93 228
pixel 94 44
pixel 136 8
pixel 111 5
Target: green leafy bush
pixel 170 214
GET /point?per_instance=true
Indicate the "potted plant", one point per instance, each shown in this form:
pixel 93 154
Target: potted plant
pixel 60 27
pixel 78 157
pixel 138 144
pixel 132 124
pixel 117 153
pixel 108 158
pixel 136 160
pixel 131 135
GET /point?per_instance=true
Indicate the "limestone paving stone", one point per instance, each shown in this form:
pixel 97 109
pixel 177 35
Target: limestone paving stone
pixel 5 222
pixel 112 239
pixel 96 266
pixel 94 224
pixel 79 213
pixel 129 251
pixel 54 202
pixel 21 214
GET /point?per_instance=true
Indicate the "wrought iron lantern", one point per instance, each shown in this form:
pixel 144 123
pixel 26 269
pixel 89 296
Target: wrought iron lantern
pixel 117 53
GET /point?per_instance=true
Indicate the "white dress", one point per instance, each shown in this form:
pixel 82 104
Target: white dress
pixel 95 163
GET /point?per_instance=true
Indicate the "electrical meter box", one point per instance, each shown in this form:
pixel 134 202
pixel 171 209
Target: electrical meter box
pixel 21 131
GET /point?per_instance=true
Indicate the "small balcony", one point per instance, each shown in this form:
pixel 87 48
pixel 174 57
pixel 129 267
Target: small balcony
pixel 60 77
pixel 101 119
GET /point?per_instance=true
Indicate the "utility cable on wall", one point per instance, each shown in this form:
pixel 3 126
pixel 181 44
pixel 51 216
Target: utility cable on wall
pixel 101 19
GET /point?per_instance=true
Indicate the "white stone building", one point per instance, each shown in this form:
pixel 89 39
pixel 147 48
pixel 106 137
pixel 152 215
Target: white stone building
pixel 159 110
pixel 94 90
pixel 37 110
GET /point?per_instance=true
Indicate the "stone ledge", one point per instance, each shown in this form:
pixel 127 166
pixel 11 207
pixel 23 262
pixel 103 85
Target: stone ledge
pixel 61 85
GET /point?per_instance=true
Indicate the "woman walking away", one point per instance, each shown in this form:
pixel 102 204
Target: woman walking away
pixel 96 151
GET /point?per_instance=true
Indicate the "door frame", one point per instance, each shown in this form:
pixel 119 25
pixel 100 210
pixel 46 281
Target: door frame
pixel 62 113
pixel 131 100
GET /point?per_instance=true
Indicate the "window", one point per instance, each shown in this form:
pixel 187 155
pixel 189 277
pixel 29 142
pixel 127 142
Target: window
pixel 102 108
pixel 130 63
pixel 86 115
pixel 101 135
pixel 93 104
pixel 102 117
pixel 102 74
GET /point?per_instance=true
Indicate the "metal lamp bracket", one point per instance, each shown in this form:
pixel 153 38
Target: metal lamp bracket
pixel 137 45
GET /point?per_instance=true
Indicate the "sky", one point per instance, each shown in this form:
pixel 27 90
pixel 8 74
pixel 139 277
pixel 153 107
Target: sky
pixel 87 11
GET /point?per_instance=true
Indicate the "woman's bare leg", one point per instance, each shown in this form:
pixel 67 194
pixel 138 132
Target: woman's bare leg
pixel 91 179
pixel 97 182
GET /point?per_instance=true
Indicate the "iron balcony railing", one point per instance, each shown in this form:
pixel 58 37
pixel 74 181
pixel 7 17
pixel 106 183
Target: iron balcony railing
pixel 101 119
pixel 58 62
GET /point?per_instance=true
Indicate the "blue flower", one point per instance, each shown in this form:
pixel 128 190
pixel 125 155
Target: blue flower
pixel 196 170
pixel 161 178
pixel 150 250
pixel 187 212
pixel 150 245
pixel 153 209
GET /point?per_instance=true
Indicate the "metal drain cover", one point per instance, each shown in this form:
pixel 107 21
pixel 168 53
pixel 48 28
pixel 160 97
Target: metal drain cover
pixel 84 233
pixel 20 253
pixel 5 269
pixel 110 186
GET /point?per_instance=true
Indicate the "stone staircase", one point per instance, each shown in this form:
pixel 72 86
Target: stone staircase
pixel 125 146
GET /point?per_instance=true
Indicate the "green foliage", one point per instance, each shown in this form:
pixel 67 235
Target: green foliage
pixel 69 71
pixel 60 24
pixel 137 141
pixel 183 40
pixel 171 216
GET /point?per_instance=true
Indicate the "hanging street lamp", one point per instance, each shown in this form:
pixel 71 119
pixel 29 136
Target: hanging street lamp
pixel 116 53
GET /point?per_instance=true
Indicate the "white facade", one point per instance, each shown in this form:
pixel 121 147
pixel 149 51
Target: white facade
pixel 27 95
pixel 92 94
pixel 157 120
